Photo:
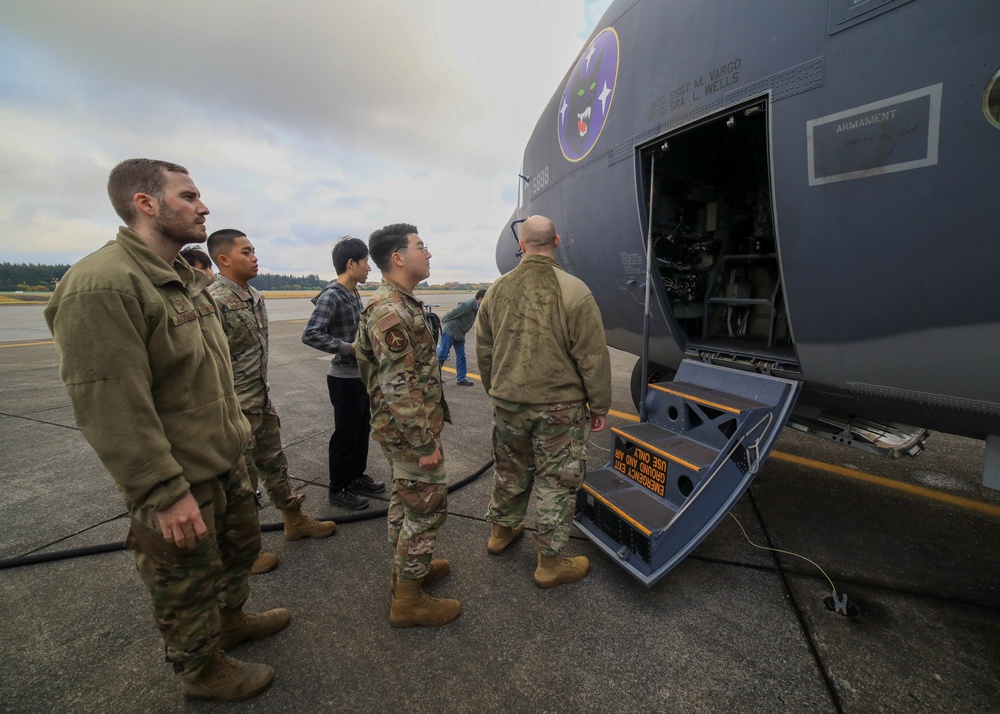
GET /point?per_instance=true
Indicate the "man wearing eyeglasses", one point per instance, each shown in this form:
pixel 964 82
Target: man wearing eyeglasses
pixel 398 362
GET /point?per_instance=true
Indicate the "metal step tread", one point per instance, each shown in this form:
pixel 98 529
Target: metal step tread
pixel 675 447
pixel 709 397
pixel 633 503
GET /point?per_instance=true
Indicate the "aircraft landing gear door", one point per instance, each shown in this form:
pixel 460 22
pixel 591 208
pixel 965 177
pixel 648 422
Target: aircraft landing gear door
pixel 707 197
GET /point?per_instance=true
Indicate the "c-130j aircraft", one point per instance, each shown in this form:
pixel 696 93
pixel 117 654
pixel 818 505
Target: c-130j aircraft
pixel 811 186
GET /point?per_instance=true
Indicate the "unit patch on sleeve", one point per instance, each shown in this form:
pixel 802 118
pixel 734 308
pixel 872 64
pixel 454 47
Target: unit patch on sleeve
pixel 395 340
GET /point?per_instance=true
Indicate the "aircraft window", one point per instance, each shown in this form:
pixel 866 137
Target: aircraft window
pixel 991 100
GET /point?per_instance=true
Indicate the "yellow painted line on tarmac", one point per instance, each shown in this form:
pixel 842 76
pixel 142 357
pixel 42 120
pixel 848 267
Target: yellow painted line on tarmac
pixel 930 493
pixel 920 491
pixel 469 374
pixel 28 344
pixel 306 319
pixel 623 415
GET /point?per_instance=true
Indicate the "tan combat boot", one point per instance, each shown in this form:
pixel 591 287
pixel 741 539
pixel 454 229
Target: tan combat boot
pixel 265 563
pixel 503 536
pixel 439 567
pixel 227 679
pixel 238 626
pixel 298 525
pixel 553 570
pixel 411 606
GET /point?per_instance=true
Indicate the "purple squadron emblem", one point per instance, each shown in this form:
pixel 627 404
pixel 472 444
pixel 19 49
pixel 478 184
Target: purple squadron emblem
pixel 586 99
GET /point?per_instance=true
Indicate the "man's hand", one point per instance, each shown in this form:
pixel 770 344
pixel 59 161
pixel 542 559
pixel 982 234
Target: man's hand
pixel 429 462
pixel 182 524
pixel 353 352
pixel 597 422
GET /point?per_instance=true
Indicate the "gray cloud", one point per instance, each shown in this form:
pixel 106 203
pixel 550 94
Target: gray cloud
pixel 300 121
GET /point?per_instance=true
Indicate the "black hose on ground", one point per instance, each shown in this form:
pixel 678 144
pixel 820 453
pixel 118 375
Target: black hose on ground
pixel 38 558
pixel 368 515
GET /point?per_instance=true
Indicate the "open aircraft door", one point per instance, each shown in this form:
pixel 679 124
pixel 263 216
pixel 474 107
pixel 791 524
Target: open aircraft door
pixel 674 476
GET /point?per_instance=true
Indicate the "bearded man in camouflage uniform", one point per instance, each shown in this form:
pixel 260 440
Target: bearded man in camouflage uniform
pixel 398 362
pixel 144 359
pixel 542 356
pixel 244 318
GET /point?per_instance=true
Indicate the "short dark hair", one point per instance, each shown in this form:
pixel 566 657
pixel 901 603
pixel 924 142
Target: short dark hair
pixel 134 176
pixel 196 257
pixel 387 240
pixel 347 249
pixel 480 294
pixel 220 240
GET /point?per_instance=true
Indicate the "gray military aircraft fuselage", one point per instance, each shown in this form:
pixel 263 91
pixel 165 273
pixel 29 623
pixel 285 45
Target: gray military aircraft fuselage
pixel 820 184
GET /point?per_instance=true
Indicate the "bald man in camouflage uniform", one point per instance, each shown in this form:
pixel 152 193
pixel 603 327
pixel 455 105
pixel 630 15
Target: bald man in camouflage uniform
pixel 544 361
pixel 398 362
pixel 244 318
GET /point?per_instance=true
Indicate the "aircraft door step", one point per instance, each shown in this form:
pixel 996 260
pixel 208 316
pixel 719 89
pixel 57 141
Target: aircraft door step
pixel 675 476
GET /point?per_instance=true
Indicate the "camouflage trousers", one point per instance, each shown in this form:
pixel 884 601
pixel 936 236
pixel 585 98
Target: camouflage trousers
pixel 266 459
pixel 417 509
pixel 545 446
pixel 188 587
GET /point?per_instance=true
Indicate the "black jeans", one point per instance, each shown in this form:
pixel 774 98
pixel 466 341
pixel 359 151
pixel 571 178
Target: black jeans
pixel 352 427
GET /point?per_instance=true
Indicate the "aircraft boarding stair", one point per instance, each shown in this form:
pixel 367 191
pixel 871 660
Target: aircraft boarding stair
pixel 675 476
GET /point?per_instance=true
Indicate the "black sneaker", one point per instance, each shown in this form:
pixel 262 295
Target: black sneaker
pixel 465 383
pixel 346 499
pixel 366 484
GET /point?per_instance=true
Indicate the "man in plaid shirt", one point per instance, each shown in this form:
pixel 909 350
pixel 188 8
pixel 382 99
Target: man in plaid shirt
pixel 332 329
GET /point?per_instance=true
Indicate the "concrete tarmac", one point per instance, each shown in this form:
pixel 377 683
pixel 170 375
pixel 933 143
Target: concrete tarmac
pixel 734 627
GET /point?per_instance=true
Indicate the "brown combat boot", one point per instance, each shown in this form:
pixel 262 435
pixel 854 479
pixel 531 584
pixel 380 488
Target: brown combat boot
pixel 439 567
pixel 227 679
pixel 502 537
pixel 411 606
pixel 553 570
pixel 265 563
pixel 298 525
pixel 238 626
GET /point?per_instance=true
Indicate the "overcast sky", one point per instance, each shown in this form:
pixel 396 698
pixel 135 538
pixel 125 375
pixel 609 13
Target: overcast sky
pixel 300 121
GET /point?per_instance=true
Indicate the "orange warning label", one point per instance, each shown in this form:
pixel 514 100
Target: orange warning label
pixel 646 469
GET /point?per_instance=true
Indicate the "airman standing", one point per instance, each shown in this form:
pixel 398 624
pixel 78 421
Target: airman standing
pixel 396 354
pixel 244 318
pixel 145 362
pixel 544 362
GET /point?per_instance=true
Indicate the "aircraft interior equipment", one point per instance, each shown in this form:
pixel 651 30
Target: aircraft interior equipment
pixel 673 477
pixel 713 239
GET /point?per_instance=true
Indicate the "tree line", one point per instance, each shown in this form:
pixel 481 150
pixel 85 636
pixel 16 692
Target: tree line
pixel 277 281
pixel 37 277
pixel 30 277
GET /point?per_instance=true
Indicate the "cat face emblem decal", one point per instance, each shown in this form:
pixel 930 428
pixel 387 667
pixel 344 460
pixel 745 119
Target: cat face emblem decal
pixel 586 99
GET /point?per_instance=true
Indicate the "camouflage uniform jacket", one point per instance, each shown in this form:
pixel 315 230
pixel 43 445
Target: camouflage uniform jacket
pixel 146 365
pixel 244 318
pixel 399 366
pixel 540 338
